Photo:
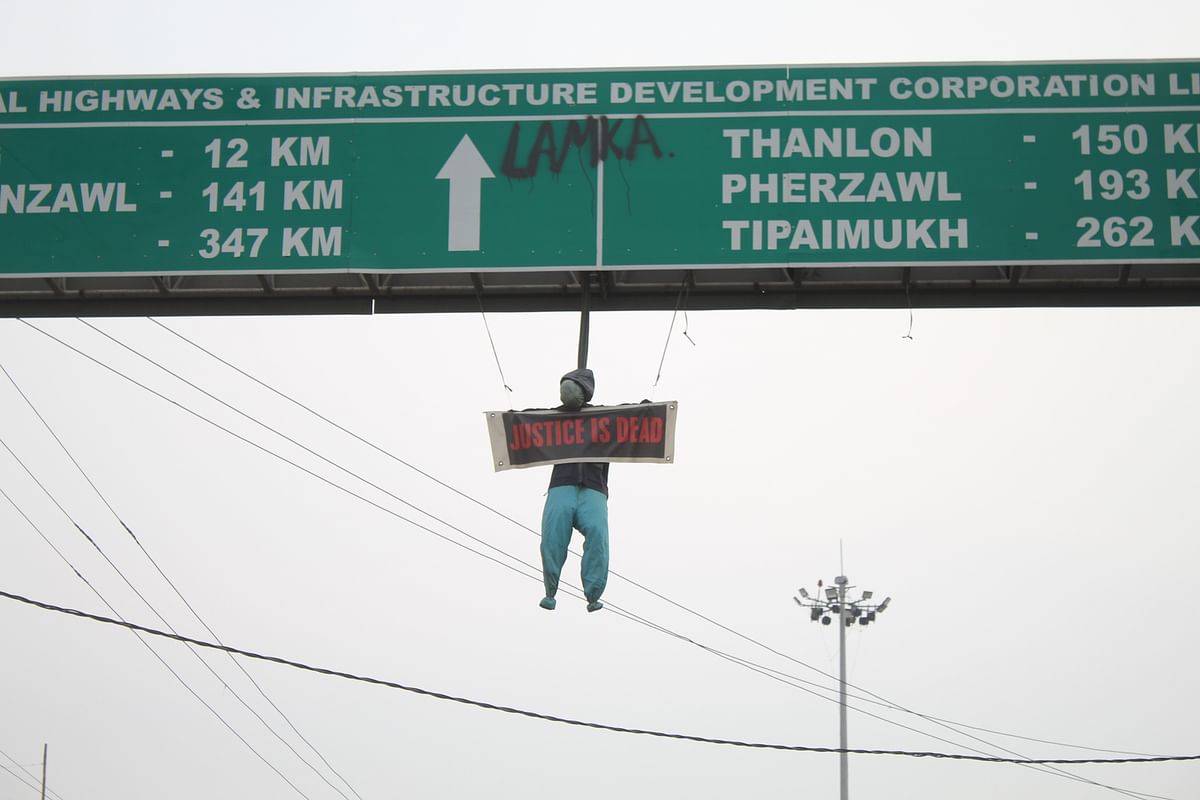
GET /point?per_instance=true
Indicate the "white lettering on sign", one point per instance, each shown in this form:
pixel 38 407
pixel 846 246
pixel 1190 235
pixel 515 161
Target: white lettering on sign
pixel 841 187
pixel 1179 184
pixel 780 90
pixel 959 87
pixel 234 243
pixel 70 198
pixel 1184 84
pixel 1182 138
pixel 437 95
pixel 338 97
pixel 829 142
pixel 777 89
pixel 1183 231
pixel 847 234
pixel 313 151
pixel 63 100
pixel 312 195
pixel 10 103
pixel 311 242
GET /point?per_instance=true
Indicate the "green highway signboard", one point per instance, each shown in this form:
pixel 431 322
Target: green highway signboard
pixel 915 165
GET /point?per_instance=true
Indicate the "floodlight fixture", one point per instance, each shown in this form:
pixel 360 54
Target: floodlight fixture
pixel 867 595
pixel 804 593
pixel 831 593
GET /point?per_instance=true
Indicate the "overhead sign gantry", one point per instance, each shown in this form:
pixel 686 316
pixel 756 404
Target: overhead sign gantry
pixel 975 184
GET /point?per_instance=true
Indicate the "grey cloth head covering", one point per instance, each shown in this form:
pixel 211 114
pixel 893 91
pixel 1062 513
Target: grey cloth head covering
pixel 571 394
pixel 585 379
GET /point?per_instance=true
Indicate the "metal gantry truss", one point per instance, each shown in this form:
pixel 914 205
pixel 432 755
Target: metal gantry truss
pixel 749 287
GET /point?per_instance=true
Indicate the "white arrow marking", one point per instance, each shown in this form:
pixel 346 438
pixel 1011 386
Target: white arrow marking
pixel 465 169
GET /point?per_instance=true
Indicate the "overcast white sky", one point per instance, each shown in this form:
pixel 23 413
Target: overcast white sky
pixel 1021 482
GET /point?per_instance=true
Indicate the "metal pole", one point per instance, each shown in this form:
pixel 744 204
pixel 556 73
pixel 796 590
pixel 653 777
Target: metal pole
pixel 584 319
pixel 845 757
pixel 822 608
pixel 45 751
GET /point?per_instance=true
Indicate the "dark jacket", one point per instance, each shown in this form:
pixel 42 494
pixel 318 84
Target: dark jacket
pixel 593 475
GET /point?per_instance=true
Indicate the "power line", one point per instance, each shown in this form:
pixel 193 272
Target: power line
pixel 741 662
pixel 567 720
pixel 794 682
pixel 305 448
pixel 291 463
pixel 347 471
pixel 884 702
pixel 189 606
pixel 23 780
pixel 146 644
pixel 626 614
pixel 163 620
pixel 33 777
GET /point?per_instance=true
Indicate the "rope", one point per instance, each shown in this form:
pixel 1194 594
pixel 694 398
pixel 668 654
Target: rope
pixel 492 342
pixel 679 301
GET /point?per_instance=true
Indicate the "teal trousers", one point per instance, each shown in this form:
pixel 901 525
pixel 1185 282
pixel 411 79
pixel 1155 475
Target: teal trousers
pixel 585 510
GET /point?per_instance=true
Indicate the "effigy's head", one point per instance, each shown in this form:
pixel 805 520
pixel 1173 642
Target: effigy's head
pixel 576 388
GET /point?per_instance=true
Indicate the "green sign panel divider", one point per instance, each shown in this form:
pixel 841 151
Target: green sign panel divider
pixel 920 165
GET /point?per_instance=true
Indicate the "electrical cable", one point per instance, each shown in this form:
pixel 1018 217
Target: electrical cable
pixel 179 594
pixel 304 447
pixel 888 704
pixel 163 620
pixel 369 483
pixel 33 786
pixel 35 778
pixel 288 461
pixel 793 682
pixel 418 471
pixel 146 644
pixel 570 721
pixel 1063 774
pixel 362 440
pixel 790 680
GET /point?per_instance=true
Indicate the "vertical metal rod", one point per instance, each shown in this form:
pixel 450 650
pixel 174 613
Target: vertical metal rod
pixel 584 319
pixel 45 751
pixel 845 757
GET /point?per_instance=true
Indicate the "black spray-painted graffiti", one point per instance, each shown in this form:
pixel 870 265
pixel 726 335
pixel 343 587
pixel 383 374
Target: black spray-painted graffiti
pixel 600 137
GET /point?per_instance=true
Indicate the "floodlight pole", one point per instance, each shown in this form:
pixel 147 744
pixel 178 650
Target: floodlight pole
pixel 848 612
pixel 843 743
